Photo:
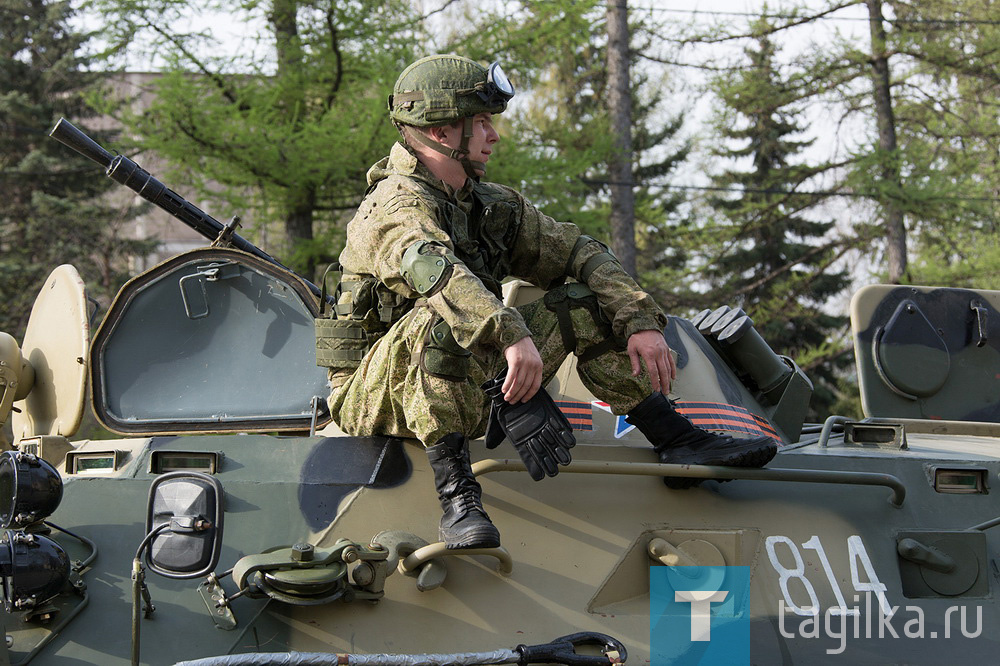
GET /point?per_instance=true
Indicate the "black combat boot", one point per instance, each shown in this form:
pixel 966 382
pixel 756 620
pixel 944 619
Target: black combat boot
pixel 465 523
pixel 678 442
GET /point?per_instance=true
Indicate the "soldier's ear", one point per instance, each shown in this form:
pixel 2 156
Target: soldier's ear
pixel 439 133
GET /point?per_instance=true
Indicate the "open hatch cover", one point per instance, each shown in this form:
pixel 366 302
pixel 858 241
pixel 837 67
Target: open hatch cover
pixel 55 343
pixel 212 340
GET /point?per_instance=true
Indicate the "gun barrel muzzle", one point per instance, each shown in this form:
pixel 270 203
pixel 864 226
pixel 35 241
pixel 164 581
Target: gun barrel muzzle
pixel 66 133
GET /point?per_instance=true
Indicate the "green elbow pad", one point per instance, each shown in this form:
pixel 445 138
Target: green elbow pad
pixel 592 264
pixel 426 266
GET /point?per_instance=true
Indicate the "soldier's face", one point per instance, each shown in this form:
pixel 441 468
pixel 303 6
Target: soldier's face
pixel 483 138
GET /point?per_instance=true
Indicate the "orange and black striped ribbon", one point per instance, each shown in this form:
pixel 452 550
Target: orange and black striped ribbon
pixel 719 416
pixel 579 414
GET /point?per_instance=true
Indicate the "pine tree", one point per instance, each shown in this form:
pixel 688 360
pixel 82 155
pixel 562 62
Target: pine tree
pixel 928 85
pixel 52 210
pixel 774 261
pixel 283 132
pixel 951 126
pixel 557 141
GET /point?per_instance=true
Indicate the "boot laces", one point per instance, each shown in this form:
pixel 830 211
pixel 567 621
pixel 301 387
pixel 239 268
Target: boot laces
pixel 463 492
pixel 461 473
pixel 466 503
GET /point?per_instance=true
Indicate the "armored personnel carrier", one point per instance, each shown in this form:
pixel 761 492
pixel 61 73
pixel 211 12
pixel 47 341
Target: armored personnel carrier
pixel 231 523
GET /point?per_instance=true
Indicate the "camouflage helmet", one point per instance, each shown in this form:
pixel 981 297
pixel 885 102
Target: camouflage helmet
pixel 441 89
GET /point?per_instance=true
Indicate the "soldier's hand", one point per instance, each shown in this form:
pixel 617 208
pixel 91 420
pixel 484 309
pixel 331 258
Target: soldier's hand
pixel 524 371
pixel 654 352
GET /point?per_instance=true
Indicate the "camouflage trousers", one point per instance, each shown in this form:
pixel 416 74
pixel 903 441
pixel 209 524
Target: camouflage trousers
pixel 392 393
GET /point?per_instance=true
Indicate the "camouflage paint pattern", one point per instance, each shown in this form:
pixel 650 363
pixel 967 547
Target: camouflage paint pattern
pixel 581 544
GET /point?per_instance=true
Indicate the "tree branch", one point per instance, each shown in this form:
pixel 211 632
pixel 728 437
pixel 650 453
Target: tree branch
pixel 770 30
pixel 844 244
pixel 217 78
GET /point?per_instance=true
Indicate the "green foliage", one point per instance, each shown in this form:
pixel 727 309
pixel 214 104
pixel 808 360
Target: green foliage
pixel 942 175
pixel 772 258
pixel 294 132
pixel 557 132
pixel 942 59
pixel 949 120
pixel 52 210
pixel 967 258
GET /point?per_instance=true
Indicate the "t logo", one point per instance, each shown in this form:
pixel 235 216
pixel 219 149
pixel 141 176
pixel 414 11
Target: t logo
pixel 697 616
pixel 701 610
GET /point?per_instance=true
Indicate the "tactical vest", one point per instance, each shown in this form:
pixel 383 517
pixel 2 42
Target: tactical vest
pixel 483 236
pixel 366 308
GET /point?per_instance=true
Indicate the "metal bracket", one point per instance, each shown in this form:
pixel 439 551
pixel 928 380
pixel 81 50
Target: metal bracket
pixel 982 327
pixel 314 410
pixel 225 237
pixel 884 435
pixel 210 273
pixel 430 575
pixel 214 596
pixel 419 557
pixel 304 575
pixel 489 465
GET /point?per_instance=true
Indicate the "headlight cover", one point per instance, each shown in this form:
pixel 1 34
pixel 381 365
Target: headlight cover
pixel 34 569
pixel 30 489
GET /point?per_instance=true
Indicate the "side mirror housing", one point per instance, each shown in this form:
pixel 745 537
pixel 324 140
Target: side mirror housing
pixel 184 524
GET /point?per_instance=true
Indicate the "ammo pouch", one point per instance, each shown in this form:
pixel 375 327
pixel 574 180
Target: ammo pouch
pixel 561 300
pixel 441 356
pixel 340 344
pixel 364 311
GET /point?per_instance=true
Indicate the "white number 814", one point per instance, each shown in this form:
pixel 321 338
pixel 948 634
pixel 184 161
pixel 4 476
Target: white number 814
pixel 856 553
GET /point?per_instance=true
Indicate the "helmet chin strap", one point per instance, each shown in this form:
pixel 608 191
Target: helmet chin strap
pixel 460 154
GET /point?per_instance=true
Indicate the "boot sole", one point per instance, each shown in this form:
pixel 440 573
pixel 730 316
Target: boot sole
pixel 756 453
pixel 478 538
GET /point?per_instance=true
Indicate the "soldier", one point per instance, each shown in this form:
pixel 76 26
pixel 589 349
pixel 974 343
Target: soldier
pixel 425 330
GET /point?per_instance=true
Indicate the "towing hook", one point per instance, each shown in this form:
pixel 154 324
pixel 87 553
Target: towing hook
pixel 563 651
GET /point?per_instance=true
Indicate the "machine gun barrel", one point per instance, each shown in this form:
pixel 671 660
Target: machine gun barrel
pixel 123 170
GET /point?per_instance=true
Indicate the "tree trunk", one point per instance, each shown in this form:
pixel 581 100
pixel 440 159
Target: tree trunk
pixel 620 109
pixel 299 202
pixel 299 228
pixel 895 229
pixel 283 17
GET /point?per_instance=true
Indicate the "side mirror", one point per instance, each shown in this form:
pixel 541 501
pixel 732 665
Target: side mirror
pixel 184 524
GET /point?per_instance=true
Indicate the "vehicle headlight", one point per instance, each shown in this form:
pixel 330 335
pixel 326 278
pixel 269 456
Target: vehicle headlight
pixel 30 489
pixel 34 570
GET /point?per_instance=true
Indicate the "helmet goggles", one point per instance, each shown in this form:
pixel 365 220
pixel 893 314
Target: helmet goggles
pixel 497 89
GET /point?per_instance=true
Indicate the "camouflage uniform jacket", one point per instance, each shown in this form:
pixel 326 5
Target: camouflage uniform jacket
pixel 496 234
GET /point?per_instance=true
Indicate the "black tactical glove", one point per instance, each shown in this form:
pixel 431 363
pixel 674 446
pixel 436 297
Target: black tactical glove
pixel 537 429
